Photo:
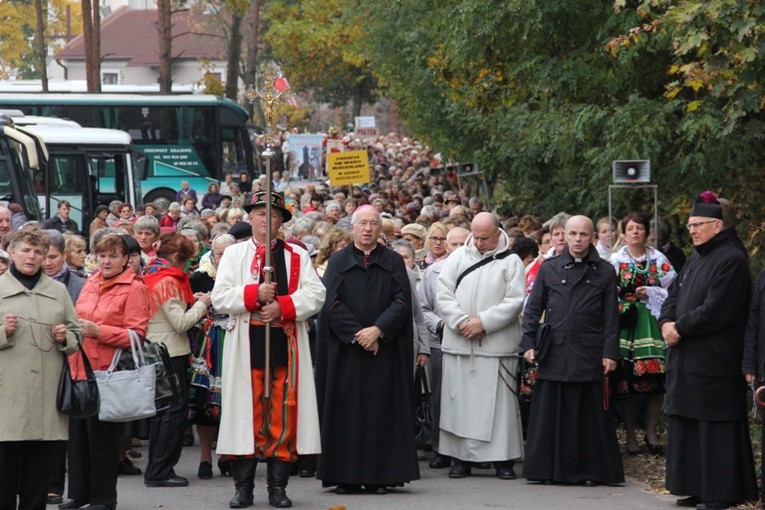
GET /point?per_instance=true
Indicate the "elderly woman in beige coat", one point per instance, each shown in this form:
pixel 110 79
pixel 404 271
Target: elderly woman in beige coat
pixel 37 327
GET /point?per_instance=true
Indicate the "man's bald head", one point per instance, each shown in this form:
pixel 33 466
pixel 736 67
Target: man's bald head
pixel 485 230
pixel 579 231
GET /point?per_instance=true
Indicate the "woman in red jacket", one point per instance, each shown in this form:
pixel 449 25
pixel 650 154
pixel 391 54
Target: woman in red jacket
pixel 113 300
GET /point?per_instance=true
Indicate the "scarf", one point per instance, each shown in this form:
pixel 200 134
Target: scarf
pixel 62 272
pixel 166 282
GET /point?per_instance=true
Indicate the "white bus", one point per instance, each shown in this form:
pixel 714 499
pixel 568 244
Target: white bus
pixel 18 159
pixel 87 167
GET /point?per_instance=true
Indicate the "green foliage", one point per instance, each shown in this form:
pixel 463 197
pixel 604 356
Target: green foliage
pixel 315 49
pixel 544 94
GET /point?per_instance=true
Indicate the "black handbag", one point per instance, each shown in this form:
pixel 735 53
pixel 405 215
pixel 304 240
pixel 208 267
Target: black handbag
pixel 423 412
pixel 542 342
pixel 77 399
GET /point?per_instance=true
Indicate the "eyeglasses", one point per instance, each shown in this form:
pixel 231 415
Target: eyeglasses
pixel 438 239
pixel 697 225
pixel 365 224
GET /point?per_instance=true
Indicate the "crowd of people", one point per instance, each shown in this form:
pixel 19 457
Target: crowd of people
pixel 538 338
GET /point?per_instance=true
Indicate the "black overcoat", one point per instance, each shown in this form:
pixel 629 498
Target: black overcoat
pixel 581 305
pixel 366 400
pixel 708 302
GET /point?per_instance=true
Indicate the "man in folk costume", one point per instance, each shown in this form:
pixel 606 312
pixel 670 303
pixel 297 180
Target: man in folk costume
pixel 287 423
pixel 709 453
pixel 480 297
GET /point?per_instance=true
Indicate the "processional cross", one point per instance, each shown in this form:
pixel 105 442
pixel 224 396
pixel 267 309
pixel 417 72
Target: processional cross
pixel 269 96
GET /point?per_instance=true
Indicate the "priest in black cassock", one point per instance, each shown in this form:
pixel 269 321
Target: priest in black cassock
pixel 364 366
pixel 709 452
pixel 571 436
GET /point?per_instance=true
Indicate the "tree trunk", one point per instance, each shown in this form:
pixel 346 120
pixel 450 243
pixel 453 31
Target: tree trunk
pixel 87 32
pixel 165 29
pixel 96 48
pixel 250 70
pixel 40 37
pixel 233 51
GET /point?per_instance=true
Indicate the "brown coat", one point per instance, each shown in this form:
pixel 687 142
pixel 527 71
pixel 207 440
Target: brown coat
pixel 30 362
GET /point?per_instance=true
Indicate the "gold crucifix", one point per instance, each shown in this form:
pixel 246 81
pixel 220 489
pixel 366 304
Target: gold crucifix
pixel 269 96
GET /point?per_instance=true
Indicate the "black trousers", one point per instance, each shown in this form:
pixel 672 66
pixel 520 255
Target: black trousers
pixel 92 450
pixel 435 364
pixel 24 467
pixel 166 430
pixel 57 467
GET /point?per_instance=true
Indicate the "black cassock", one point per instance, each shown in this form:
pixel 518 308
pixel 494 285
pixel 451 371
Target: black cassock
pixel 366 401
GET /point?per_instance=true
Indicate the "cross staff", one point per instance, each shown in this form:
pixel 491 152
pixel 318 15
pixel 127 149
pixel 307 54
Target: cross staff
pixel 269 96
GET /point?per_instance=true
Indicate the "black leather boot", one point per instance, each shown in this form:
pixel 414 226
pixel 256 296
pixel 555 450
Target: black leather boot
pixel 307 465
pixel 277 476
pixel 243 473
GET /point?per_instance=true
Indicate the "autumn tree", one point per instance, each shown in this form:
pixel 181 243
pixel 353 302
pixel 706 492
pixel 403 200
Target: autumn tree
pixel 315 43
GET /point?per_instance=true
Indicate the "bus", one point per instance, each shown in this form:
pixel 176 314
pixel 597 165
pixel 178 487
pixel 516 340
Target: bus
pixel 86 167
pixel 196 138
pixel 18 159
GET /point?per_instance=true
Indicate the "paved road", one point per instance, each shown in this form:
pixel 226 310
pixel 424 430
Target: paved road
pixel 433 491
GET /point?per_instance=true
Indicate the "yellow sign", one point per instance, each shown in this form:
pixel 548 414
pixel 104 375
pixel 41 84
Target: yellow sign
pixel 350 167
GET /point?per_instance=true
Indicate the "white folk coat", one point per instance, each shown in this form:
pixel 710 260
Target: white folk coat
pixel 235 436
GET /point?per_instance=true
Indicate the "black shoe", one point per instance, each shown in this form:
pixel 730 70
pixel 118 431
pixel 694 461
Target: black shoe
pixel 55 499
pixel 307 472
pixel 505 470
pixel 440 462
pixel 225 467
pixel 715 505
pixel 590 483
pixel 481 465
pixel 459 469
pixel 690 501
pixel 175 481
pixel 72 503
pixel 134 454
pixel 654 449
pixel 376 489
pixel 307 466
pixel 126 467
pixel 345 488
pixel 205 471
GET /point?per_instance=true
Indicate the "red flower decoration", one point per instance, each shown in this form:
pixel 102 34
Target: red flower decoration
pixel 624 265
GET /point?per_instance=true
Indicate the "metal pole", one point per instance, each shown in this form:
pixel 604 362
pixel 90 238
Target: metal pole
pixel 268 268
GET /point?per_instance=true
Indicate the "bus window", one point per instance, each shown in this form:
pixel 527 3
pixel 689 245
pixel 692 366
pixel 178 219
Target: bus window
pixel 233 151
pixel 203 135
pixel 65 177
pixel 149 124
pixel 83 114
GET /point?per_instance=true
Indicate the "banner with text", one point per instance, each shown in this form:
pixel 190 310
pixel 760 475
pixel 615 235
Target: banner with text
pixel 351 167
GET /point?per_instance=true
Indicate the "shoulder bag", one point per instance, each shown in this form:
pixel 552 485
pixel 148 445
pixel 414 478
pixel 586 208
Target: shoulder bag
pixel 127 395
pixel 155 354
pixel 423 413
pixel 77 399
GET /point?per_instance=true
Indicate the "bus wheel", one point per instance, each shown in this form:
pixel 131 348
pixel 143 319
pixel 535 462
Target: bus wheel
pixel 154 194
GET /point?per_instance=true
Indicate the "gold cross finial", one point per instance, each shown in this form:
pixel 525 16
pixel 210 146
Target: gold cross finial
pixel 268 96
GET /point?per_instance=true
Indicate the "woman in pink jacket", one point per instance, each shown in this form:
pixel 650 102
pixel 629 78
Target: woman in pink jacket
pixel 113 300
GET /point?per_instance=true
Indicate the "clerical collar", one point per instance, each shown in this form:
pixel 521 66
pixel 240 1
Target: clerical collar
pixel 365 252
pixel 577 259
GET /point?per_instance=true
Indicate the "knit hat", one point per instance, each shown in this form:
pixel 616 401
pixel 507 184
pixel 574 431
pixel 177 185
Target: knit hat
pixel 707 206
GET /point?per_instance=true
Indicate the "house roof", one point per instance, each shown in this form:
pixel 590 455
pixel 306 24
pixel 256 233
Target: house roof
pixel 131 34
